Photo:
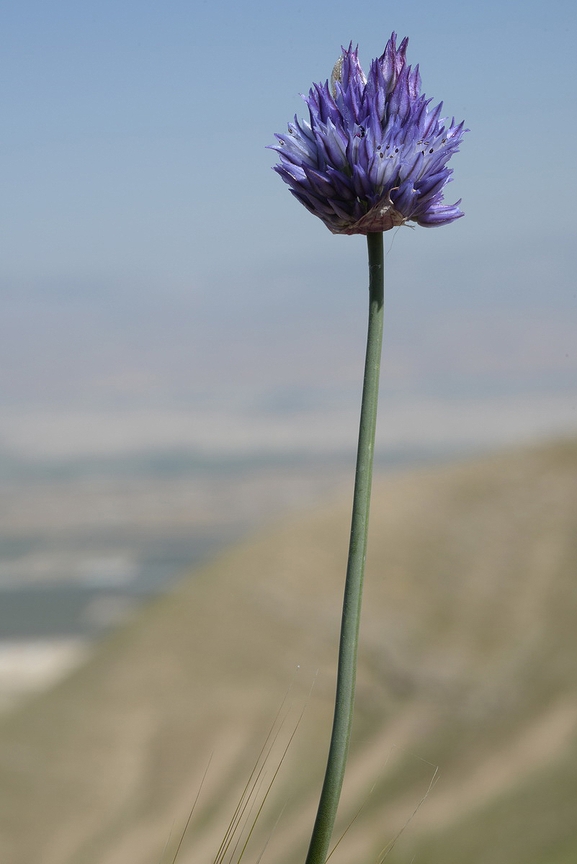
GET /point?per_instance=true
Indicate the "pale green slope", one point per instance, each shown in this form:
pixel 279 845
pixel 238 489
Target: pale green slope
pixel 469 662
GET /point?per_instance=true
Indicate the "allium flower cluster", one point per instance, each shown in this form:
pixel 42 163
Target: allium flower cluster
pixel 374 153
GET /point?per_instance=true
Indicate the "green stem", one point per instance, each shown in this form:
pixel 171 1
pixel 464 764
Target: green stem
pixel 347 667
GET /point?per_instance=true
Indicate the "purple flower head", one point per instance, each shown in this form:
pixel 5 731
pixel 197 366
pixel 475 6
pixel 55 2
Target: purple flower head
pixel 374 153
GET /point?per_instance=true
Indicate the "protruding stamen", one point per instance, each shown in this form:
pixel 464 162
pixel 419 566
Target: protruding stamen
pixel 336 75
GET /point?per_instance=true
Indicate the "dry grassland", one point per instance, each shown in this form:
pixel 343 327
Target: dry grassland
pixel 468 663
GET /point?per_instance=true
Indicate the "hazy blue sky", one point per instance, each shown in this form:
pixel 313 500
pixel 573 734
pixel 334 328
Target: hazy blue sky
pixel 139 211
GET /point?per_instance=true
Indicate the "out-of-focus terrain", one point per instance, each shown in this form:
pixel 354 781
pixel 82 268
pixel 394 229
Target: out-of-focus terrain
pixel 84 542
pixel 144 426
pixel 467 696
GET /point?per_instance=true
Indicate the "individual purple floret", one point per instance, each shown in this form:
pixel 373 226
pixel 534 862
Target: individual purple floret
pixel 374 153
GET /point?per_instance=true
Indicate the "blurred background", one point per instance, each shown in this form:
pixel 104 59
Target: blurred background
pixel 181 343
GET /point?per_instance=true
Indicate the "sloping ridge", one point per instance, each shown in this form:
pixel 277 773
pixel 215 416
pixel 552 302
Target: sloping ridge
pixel 468 663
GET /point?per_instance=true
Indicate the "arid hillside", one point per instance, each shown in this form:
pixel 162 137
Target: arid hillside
pixel 465 741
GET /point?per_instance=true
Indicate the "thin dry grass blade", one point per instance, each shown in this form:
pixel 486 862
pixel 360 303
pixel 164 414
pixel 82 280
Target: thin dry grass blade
pixel 192 809
pixel 352 822
pixel 388 848
pixel 251 785
pixel 270 785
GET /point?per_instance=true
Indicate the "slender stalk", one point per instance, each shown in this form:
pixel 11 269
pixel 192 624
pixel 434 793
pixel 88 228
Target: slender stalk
pixel 347 666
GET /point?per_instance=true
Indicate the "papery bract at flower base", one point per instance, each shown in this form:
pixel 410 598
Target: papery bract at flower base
pixel 374 153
